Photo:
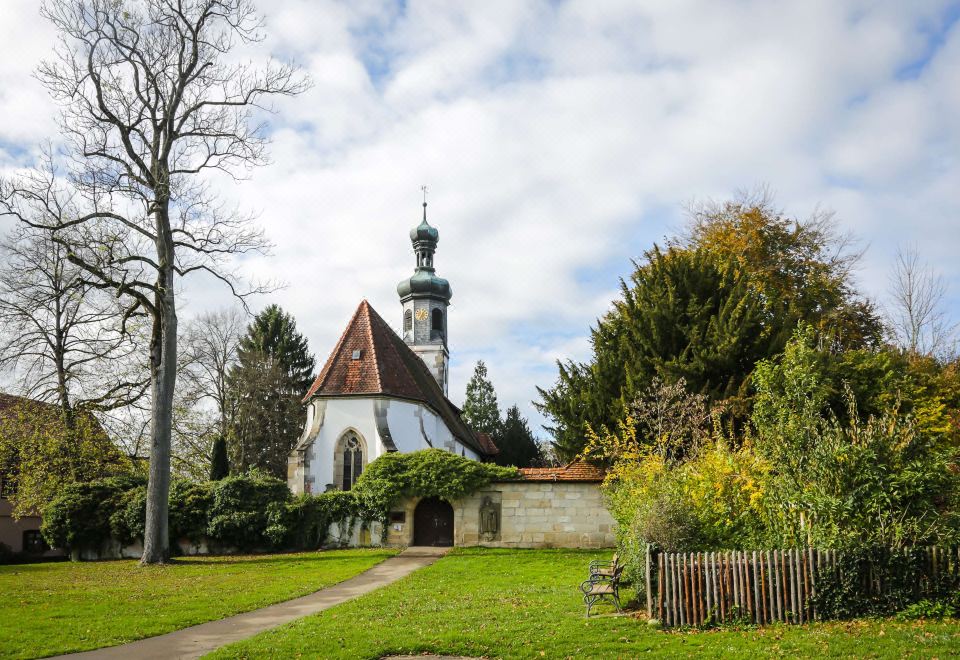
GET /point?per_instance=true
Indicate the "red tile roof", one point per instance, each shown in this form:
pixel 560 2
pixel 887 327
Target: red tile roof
pixel 573 471
pixel 386 365
pixel 487 443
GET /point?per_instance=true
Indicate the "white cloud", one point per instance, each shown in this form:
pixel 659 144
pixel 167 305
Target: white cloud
pixel 561 139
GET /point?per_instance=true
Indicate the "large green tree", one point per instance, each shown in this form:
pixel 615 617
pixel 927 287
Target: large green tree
pixel 517 445
pixel 273 371
pixel 481 411
pixel 727 293
pixel 681 315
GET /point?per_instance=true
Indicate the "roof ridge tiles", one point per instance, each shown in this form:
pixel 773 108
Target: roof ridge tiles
pixel 373 345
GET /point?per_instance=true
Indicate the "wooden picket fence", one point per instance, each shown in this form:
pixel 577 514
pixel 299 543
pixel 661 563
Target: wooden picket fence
pixel 760 586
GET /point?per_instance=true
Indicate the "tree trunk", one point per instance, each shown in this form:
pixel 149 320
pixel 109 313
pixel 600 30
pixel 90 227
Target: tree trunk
pixel 163 373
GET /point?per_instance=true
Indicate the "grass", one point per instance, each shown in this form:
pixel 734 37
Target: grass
pixel 525 604
pixel 52 608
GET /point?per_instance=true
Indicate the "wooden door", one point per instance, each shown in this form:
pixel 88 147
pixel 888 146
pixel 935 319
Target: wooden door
pixel 433 523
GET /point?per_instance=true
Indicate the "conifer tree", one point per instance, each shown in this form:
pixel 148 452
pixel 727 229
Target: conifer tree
pixel 274 371
pixel 480 409
pixel 517 445
pixel 680 316
pixel 219 463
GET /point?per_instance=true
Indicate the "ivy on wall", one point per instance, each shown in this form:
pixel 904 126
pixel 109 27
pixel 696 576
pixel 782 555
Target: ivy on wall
pixel 425 473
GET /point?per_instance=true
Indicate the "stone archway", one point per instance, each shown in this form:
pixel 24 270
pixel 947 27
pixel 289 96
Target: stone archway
pixel 433 523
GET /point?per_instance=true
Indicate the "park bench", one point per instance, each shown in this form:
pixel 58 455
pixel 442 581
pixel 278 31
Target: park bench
pixel 603 584
pixel 602 567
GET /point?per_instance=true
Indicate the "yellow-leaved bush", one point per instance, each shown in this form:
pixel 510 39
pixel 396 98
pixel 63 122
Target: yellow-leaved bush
pixel 716 498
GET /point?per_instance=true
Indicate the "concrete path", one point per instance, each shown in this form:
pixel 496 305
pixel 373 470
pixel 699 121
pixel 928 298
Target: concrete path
pixel 196 641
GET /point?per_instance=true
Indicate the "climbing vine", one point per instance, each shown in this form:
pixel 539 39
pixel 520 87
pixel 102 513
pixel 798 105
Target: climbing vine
pixel 425 473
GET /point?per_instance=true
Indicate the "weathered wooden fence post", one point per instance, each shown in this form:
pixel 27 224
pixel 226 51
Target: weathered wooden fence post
pixel 649 569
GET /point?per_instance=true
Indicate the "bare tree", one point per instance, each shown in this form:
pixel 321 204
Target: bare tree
pixel 671 419
pixel 916 315
pixel 152 100
pixel 203 409
pixel 58 335
pixel 210 351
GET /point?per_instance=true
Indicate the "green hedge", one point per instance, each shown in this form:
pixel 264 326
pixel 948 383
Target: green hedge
pixel 254 511
pixel 244 511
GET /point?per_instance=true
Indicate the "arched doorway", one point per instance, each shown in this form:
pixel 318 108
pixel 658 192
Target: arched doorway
pixel 433 523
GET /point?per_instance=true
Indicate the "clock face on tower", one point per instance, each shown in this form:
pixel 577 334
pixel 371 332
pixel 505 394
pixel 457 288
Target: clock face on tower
pixel 421 314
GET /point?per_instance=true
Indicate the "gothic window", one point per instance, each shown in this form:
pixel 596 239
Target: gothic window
pixel 349 460
pixel 436 324
pixel 408 320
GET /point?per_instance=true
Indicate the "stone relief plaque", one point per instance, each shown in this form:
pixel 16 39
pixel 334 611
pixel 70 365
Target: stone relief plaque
pixel 489 520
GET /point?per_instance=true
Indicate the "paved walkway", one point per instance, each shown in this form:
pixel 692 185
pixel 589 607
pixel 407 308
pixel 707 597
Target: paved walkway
pixel 195 641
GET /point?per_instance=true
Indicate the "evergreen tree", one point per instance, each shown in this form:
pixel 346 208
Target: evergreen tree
pixel 480 409
pixel 517 445
pixel 274 370
pixel 680 316
pixel 219 463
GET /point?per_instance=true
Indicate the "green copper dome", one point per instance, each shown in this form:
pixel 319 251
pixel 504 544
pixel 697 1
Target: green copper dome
pixel 424 284
pixel 424 232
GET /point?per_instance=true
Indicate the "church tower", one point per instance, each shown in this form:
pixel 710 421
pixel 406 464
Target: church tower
pixel 425 298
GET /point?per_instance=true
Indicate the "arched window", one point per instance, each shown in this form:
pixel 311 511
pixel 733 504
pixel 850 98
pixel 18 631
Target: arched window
pixel 408 320
pixel 349 459
pixel 436 323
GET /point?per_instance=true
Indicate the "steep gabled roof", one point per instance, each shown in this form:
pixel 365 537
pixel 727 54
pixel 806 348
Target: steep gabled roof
pixel 385 365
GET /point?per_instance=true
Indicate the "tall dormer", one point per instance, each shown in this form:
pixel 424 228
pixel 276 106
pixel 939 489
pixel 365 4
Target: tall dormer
pixel 425 299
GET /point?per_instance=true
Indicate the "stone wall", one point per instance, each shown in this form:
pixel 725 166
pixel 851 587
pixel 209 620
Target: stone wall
pixel 535 514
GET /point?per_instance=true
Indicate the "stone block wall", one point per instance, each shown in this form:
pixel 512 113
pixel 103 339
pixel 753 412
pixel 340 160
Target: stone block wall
pixel 536 514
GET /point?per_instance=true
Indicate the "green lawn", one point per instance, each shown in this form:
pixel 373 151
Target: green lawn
pixel 524 604
pixel 53 608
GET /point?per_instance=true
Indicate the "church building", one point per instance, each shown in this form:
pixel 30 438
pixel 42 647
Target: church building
pixel 379 392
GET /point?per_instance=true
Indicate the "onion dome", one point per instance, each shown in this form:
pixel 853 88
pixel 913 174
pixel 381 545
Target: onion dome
pixel 424 283
pixel 424 233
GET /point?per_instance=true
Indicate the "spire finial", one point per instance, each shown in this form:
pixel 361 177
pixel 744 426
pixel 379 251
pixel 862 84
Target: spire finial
pixel 424 190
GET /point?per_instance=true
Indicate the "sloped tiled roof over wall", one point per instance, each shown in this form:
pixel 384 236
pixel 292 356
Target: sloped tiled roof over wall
pixel 371 359
pixel 574 471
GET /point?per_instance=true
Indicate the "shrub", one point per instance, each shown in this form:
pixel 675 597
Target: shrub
pixel 243 507
pixel 84 515
pixel 190 505
pixel 129 520
pixel 927 609
pixel 256 511
pixel 309 517
pixel 842 593
pixel 714 499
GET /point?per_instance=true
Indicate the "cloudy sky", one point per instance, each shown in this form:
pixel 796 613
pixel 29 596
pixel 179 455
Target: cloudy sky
pixel 561 139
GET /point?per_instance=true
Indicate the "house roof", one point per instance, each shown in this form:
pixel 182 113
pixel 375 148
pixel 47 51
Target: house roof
pixel 573 471
pixel 370 358
pixel 11 402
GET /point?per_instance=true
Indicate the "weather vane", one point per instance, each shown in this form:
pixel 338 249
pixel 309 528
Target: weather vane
pixel 424 189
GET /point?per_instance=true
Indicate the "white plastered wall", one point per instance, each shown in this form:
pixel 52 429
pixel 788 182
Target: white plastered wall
pixel 412 426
